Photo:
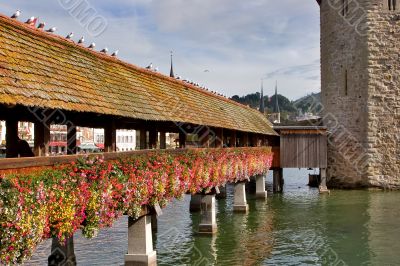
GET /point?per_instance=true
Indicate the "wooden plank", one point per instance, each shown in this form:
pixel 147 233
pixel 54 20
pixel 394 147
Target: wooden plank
pixel 110 138
pixel 11 138
pixel 42 139
pixel 163 140
pixel 71 139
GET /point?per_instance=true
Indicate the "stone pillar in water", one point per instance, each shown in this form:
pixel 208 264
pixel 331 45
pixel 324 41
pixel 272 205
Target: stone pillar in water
pixel 195 203
pixel 278 180
pixel 322 186
pixel 62 254
pixel 140 243
pixel 261 193
pixel 240 201
pixel 208 223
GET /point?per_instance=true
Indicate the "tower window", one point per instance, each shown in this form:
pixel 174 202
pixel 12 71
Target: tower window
pixel 392 4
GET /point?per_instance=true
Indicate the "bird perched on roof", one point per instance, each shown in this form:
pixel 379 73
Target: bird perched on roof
pixel 156 69
pixel 115 53
pixel 53 29
pixel 41 25
pixel 81 40
pixel 105 50
pixel 69 36
pixel 16 14
pixel 150 66
pixel 31 21
pixel 92 45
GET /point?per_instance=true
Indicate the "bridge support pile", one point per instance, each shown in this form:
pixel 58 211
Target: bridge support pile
pixel 140 242
pixel 208 223
pixel 240 201
pixel 278 180
pixel 260 187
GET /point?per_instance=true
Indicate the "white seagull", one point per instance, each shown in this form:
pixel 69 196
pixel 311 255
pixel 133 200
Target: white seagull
pixel 150 66
pixel 52 29
pixel 69 36
pixel 92 45
pixel 16 14
pixel 115 53
pixel 105 50
pixel 81 40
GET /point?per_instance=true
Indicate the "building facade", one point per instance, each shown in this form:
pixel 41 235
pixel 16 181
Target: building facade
pixel 360 72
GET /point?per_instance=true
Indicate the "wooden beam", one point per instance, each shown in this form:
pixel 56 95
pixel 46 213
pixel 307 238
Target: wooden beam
pixel 219 138
pixel 12 138
pixel 204 137
pixel 245 139
pixel 233 142
pixel 71 139
pixel 163 140
pixel 153 137
pixel 110 137
pixel 42 138
pixel 182 140
pixel 143 139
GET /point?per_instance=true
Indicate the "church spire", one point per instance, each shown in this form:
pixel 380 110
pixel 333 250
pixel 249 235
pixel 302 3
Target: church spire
pixel 276 106
pixel 171 72
pixel 262 106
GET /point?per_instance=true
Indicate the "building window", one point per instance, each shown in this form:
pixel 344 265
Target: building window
pixel 392 4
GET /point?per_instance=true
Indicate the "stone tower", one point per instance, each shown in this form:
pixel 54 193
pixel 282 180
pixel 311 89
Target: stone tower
pixel 360 72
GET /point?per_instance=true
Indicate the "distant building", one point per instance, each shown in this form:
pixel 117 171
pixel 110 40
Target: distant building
pixel 275 116
pixel 126 139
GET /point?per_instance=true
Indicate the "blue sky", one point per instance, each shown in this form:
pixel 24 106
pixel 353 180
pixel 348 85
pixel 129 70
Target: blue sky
pixel 239 42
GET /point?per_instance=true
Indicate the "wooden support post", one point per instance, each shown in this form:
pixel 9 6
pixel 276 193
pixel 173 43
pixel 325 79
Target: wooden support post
pixel 153 136
pixel 140 242
pixel 322 186
pixel 233 139
pixel 245 139
pixel 182 139
pixel 71 139
pixel 219 138
pixel 42 139
pixel 278 180
pixel 204 137
pixel 110 138
pixel 143 139
pixel 62 254
pixel 240 201
pixel 208 223
pixel 11 138
pixel 163 140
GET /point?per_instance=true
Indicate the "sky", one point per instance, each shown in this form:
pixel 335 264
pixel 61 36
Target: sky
pixel 226 45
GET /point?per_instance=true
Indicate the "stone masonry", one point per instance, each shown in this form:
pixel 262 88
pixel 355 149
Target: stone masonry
pixel 360 72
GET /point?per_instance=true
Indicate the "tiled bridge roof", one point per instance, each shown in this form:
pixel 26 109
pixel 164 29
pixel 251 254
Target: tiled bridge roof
pixel 40 69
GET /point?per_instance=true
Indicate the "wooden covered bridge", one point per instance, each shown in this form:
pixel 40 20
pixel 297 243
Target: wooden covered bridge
pixel 46 79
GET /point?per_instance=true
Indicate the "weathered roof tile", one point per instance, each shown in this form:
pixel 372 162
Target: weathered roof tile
pixel 48 71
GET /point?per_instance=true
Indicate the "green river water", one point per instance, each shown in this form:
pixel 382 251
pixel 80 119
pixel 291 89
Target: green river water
pixel 297 227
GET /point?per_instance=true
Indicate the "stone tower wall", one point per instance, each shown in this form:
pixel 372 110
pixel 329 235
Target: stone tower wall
pixel 344 61
pixel 384 95
pixel 360 92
